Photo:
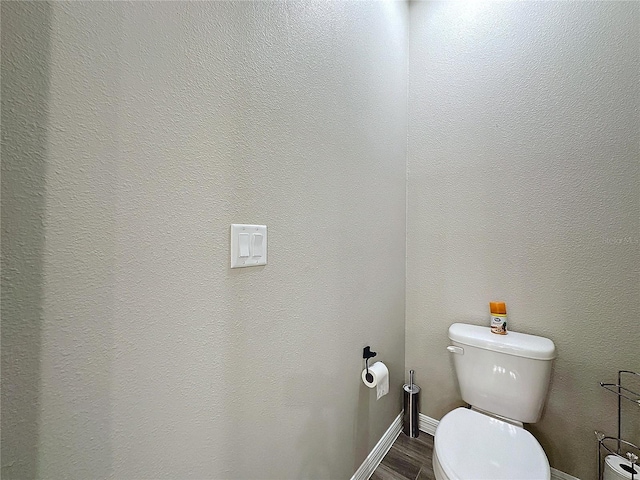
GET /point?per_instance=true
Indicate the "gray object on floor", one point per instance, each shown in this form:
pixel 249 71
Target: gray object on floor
pixel 410 418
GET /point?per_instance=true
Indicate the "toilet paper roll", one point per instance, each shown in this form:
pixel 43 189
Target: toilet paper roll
pixel 380 374
pixel 617 468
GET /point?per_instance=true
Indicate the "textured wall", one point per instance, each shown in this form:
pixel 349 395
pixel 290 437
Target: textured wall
pixel 133 135
pixel 25 80
pixel 524 185
pixel 161 125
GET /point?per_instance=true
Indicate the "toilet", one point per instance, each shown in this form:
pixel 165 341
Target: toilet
pixel 504 378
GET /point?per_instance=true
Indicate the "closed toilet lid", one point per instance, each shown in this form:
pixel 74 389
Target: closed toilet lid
pixel 474 446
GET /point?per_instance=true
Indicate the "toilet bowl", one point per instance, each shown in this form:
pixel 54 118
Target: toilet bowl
pixel 505 379
pixel 470 445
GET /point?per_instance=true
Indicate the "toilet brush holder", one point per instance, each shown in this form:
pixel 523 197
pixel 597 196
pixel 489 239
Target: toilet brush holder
pixel 411 415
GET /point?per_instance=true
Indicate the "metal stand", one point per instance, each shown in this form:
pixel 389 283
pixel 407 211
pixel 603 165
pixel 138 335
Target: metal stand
pixel 625 450
pixel 411 415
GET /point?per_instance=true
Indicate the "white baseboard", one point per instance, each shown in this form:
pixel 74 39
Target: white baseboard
pixel 429 425
pixel 558 475
pixel 379 451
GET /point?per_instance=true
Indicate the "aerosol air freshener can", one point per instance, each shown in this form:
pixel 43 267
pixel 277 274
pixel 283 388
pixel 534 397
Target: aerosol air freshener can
pixel 498 317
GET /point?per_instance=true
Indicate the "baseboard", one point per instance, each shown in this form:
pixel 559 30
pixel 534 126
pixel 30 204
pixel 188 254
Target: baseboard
pixel 429 425
pixel 379 451
pixel 558 475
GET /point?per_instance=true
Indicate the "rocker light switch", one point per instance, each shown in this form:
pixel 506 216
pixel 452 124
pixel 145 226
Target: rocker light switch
pixel 257 244
pixel 248 245
pixel 243 241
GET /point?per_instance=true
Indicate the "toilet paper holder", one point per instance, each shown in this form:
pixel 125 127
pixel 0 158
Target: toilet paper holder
pixel 367 354
pixel 616 445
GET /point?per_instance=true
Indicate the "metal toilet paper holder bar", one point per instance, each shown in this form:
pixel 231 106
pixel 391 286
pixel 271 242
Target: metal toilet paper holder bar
pixel 367 354
pixel 632 451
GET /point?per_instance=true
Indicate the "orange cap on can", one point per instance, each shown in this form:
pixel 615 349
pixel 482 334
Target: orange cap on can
pixel 499 308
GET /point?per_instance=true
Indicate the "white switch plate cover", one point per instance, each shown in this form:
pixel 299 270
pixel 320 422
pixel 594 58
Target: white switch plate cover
pixel 252 260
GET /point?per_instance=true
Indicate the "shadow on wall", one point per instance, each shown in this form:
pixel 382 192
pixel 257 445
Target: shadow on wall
pixel 307 400
pixel 25 87
pixel 361 428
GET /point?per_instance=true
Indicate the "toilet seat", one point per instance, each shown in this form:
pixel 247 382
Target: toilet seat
pixel 469 445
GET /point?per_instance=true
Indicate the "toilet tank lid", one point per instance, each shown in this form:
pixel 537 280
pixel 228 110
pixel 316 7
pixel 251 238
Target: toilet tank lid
pixel 514 343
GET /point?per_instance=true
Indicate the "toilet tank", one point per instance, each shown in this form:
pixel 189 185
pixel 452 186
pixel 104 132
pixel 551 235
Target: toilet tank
pixel 506 375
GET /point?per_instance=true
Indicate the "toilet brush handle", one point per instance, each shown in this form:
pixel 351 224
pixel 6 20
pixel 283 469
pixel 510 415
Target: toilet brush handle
pixel 411 379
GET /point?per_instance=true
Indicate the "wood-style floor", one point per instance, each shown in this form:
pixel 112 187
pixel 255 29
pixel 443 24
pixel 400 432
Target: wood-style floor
pixel 408 459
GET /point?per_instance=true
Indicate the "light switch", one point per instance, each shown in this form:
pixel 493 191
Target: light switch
pixel 243 242
pixel 248 245
pixel 257 244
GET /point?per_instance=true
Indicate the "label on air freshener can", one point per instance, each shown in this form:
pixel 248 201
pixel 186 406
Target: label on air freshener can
pixel 499 324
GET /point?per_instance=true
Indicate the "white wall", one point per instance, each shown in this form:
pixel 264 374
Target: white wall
pixel 162 124
pixel 134 134
pixel 524 179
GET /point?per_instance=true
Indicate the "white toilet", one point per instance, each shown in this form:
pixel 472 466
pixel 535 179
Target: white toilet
pixel 505 380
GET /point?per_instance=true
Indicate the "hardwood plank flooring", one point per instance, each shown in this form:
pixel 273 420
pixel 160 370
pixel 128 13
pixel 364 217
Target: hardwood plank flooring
pixel 408 459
